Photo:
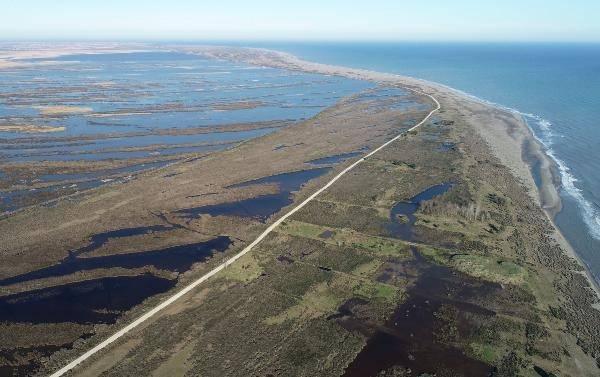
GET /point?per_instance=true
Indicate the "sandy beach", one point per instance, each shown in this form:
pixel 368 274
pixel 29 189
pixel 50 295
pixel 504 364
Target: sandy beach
pixel 492 154
pixel 507 142
pixel 511 140
pixel 17 55
pixel 299 189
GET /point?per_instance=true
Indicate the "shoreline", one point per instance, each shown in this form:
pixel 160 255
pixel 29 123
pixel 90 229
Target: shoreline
pixel 494 155
pixel 510 145
pixel 546 195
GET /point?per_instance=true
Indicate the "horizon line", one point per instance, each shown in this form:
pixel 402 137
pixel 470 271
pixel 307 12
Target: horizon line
pixel 289 40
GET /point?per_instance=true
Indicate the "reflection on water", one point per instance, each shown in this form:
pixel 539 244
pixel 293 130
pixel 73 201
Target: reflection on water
pixel 99 239
pixel 72 183
pixel 129 94
pixel 335 159
pixel 92 301
pixel 403 214
pixel 412 338
pixel 95 300
pixel 175 258
pixel 143 105
pixel 263 206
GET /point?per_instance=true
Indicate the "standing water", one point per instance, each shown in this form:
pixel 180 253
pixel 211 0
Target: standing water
pixel 556 87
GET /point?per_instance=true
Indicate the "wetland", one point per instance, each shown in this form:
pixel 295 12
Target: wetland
pixel 430 257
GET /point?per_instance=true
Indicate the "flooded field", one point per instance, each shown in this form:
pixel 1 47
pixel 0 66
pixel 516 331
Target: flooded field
pixel 92 301
pixel 402 215
pixel 262 206
pixel 335 159
pixel 80 121
pixel 85 290
pixel 412 340
pixel 427 258
pixel 176 258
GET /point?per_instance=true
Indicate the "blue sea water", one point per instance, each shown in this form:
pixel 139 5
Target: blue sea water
pixel 555 86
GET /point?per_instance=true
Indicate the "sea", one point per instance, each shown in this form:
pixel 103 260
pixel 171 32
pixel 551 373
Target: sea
pixel 555 86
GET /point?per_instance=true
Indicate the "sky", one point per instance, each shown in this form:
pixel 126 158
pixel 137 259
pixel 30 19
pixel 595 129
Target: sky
pixel 332 20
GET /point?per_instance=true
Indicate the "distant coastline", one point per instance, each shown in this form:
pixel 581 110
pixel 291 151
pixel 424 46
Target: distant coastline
pixel 493 155
pixel 517 147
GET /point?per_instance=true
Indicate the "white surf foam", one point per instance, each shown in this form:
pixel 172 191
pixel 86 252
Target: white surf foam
pixel 543 132
pixel 590 214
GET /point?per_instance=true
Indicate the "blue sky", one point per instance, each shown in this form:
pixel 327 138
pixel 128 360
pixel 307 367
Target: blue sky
pixel 461 20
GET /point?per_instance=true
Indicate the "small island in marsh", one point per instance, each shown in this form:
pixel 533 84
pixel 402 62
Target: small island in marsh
pixel 435 255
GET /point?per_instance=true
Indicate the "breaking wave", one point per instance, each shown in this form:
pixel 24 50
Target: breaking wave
pixel 543 132
pixel 590 214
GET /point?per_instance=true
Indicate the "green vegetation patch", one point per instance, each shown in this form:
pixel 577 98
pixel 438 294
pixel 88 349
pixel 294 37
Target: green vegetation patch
pixel 325 297
pixel 323 348
pixel 319 300
pixel 485 352
pixel 246 269
pixel 496 338
pixel 342 259
pixel 365 219
pixel 368 269
pixel 296 279
pixel 377 291
pixel 454 223
pixel 490 269
pixel 379 246
pixel 479 266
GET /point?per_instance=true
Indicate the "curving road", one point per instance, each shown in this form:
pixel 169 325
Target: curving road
pixel 231 260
